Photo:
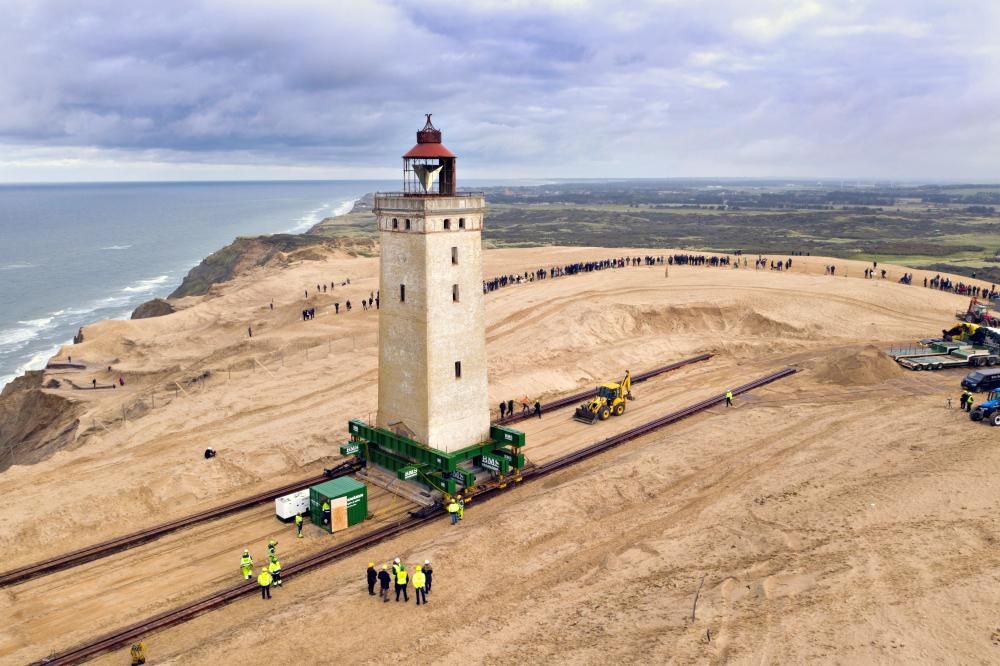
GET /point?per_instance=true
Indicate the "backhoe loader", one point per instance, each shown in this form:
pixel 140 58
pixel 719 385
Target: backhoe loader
pixel 610 399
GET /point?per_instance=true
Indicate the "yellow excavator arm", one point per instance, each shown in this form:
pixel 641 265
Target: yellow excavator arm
pixel 626 385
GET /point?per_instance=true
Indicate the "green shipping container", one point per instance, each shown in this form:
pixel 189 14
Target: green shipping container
pixel 348 500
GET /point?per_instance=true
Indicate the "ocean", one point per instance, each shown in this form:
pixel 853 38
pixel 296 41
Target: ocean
pixel 74 254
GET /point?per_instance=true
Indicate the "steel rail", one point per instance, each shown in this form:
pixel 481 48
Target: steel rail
pixel 584 395
pixel 176 616
pixel 118 544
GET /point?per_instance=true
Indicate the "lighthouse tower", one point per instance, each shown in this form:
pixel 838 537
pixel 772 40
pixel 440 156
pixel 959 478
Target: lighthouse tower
pixel 432 385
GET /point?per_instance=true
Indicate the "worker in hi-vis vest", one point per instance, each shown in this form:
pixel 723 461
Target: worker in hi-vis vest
pixel 729 398
pixel 453 510
pixel 274 568
pixel 264 580
pixel 298 523
pixel 419 583
pixel 401 577
pixel 246 564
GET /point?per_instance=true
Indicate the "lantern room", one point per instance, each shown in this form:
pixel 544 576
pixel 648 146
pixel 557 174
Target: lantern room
pixel 429 167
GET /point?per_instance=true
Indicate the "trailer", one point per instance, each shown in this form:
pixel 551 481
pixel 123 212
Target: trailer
pixel 941 354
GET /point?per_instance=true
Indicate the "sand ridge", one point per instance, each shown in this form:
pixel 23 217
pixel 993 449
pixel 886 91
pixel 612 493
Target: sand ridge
pixel 831 515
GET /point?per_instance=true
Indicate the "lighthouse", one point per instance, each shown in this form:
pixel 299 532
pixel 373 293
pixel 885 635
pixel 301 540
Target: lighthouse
pixel 432 384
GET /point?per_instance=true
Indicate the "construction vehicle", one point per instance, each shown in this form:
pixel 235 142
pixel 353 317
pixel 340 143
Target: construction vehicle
pixel 989 411
pixel 610 399
pixel 978 312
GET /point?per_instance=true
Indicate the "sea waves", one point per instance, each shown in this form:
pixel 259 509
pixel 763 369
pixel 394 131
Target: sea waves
pixel 317 215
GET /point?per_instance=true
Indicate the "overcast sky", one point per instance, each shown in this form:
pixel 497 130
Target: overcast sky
pixel 138 89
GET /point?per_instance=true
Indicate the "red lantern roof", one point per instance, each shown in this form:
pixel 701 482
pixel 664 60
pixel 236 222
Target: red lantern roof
pixel 428 150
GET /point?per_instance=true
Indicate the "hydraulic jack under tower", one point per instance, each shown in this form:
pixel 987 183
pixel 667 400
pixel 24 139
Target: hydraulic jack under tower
pixel 437 470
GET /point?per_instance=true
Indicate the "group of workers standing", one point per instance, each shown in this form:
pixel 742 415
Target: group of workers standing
pixel 422 579
pixel 965 402
pixel 270 573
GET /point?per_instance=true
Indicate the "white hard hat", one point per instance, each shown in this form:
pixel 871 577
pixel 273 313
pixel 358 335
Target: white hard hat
pixel 396 560
pixel 427 561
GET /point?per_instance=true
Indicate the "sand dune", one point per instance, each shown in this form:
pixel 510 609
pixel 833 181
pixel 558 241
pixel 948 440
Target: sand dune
pixel 844 515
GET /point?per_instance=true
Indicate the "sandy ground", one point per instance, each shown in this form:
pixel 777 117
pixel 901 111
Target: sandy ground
pixel 840 516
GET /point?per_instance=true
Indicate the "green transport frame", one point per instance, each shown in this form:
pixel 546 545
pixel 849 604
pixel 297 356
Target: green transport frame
pixel 410 460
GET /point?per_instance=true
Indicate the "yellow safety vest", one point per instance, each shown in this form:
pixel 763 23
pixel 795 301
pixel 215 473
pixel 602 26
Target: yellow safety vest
pixel 264 579
pixel 326 506
pixel 274 566
pixel 246 561
pixel 401 577
pixel 418 579
pixel 729 394
pixel 453 507
pixel 298 519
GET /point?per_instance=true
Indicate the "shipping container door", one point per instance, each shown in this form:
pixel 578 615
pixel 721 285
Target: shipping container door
pixel 338 510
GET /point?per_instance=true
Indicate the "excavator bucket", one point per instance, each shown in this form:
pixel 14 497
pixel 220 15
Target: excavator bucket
pixel 584 415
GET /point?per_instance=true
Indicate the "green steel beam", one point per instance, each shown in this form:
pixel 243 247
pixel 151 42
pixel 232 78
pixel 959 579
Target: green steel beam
pixel 516 460
pixel 492 462
pixel 508 436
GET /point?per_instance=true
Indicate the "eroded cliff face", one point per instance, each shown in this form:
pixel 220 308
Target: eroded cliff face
pixel 34 422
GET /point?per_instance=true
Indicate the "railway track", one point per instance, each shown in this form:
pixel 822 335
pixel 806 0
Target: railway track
pixel 118 544
pixel 127 635
pixel 105 548
pixel 584 395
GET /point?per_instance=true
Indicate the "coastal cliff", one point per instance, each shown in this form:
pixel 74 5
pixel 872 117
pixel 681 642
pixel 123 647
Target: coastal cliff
pixel 34 423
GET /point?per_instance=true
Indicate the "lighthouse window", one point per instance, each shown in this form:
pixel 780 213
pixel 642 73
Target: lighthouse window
pixel 458 369
pixel 454 255
pixel 407 225
pixel 461 223
pixel 454 292
pixel 395 223
pixel 402 293
pixel 447 224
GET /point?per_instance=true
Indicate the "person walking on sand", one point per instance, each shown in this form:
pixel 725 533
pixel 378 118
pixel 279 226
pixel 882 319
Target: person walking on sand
pixel 510 407
pixel 298 524
pixel 264 580
pixel 503 410
pixel 383 583
pixel 968 402
pixel 729 398
pixel 538 409
pixel 453 510
pixel 93 382
pixel 249 331
pixel 372 578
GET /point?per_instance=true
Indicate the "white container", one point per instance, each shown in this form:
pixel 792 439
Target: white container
pixel 286 507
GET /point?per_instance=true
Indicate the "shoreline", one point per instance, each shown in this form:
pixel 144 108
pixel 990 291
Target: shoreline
pixel 120 303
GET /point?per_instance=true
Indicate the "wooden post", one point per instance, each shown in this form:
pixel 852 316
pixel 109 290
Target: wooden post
pixel 696 595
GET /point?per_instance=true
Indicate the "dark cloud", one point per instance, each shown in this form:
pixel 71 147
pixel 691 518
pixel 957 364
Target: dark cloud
pixel 648 88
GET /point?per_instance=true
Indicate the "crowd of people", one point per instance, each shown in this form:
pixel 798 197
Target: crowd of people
pixel 947 284
pixel 575 268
